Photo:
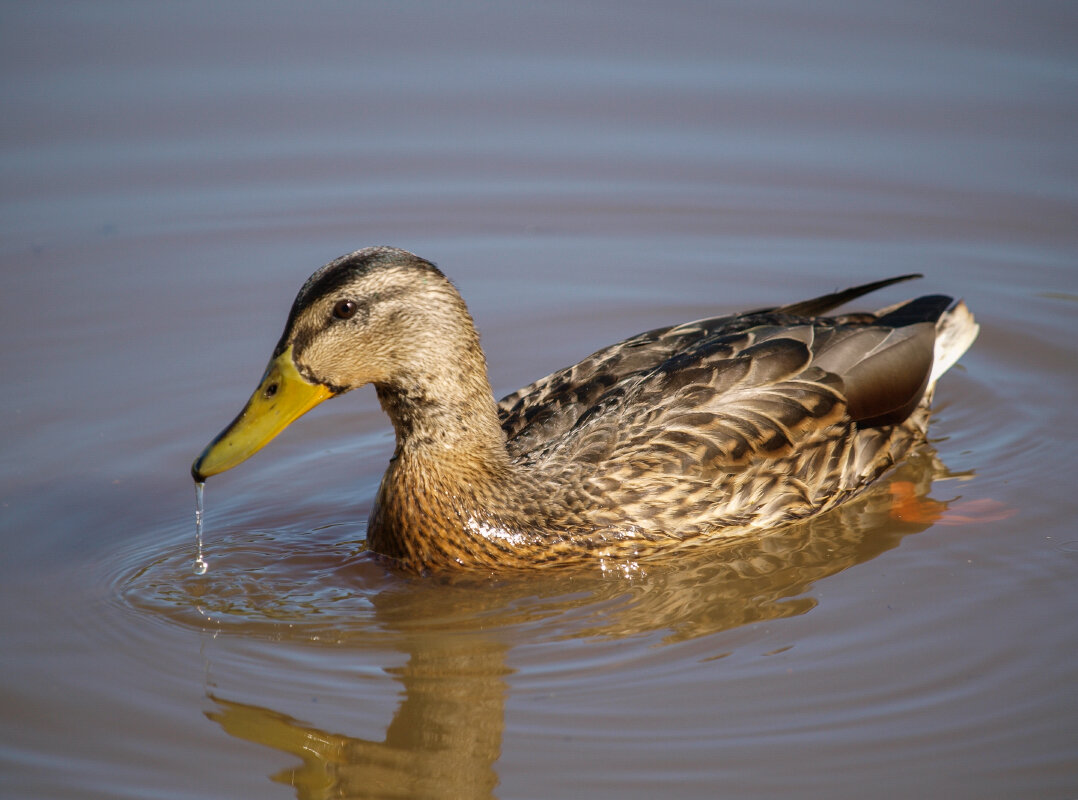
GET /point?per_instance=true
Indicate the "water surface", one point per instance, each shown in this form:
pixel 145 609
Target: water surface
pixel 170 175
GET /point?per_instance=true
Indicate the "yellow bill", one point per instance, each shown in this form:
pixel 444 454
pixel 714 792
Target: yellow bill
pixel 283 396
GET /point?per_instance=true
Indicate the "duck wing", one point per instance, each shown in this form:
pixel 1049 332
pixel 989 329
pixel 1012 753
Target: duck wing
pixel 718 353
pixel 746 429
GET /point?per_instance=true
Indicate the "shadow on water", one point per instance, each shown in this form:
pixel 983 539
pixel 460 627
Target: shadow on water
pixel 457 632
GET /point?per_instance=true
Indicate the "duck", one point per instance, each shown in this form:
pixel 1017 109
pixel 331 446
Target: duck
pixel 728 426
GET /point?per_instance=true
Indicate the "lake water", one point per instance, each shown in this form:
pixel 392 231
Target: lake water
pixel 171 173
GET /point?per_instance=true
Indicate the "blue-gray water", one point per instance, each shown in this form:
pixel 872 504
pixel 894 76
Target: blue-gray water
pixel 170 174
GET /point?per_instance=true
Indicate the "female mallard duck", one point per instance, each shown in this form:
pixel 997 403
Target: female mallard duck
pixel 712 428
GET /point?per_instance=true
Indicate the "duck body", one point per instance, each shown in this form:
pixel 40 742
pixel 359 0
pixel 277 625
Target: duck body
pixel 715 428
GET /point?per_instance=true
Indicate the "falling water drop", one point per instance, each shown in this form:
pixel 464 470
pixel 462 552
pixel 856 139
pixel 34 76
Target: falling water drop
pixel 200 563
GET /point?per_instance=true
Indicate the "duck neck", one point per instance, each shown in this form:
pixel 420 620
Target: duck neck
pixel 446 420
pixel 449 470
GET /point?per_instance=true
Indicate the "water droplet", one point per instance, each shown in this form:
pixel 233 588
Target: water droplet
pixel 200 563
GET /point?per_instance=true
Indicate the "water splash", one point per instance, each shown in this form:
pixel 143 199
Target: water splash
pixel 201 566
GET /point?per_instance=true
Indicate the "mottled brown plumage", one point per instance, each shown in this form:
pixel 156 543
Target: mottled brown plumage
pixel 714 428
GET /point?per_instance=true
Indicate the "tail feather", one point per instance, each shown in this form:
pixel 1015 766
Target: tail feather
pixel 955 332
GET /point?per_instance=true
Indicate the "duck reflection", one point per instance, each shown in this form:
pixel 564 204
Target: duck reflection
pixel 445 736
pixel 442 743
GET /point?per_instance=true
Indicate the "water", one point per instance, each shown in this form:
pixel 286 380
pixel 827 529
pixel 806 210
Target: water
pixel 169 177
pixel 200 566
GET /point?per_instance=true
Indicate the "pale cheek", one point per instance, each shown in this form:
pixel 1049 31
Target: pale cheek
pixel 360 364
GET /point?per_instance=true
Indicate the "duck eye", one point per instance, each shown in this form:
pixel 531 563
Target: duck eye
pixel 345 309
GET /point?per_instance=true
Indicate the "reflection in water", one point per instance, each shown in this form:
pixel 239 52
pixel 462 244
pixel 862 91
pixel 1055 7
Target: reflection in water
pixel 442 743
pixel 445 736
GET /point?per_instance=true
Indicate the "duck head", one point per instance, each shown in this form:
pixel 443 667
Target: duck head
pixel 378 315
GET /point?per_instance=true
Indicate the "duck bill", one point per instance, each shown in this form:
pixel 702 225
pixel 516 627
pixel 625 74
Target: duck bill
pixel 282 397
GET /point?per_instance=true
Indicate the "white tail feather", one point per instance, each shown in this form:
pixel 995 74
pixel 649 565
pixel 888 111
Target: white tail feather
pixel 955 332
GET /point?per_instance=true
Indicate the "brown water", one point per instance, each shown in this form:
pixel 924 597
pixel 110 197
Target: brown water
pixel 170 174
